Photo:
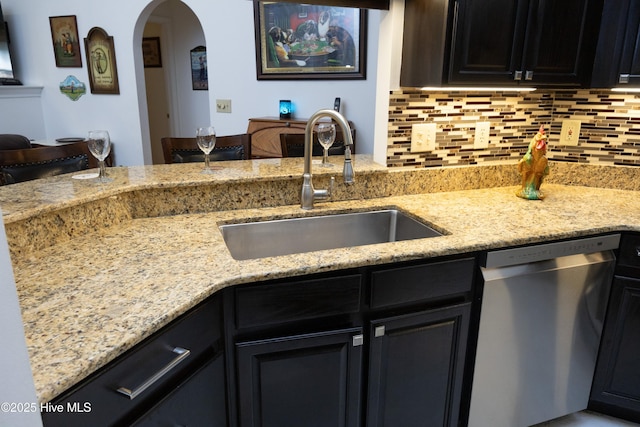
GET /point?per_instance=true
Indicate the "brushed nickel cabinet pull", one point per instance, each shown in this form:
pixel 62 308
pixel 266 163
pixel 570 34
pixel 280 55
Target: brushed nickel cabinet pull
pixel 358 340
pixel 182 353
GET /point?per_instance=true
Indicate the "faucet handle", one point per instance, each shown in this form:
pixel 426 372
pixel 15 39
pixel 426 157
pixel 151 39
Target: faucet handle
pixel 347 170
pixel 332 183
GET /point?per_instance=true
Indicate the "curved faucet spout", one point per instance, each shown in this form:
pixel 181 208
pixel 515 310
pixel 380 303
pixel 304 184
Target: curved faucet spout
pixel 309 194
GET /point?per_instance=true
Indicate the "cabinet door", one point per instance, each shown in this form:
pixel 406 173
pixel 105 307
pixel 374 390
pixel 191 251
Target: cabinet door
pixel 630 60
pixel 487 40
pixel 526 41
pixel 616 385
pixel 560 41
pixel 416 368
pixel 200 400
pixel 306 380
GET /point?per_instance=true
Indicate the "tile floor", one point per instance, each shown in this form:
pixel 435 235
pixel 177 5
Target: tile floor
pixel 587 419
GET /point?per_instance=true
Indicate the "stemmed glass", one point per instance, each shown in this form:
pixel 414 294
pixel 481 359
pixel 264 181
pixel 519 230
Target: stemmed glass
pixel 206 137
pixel 100 146
pixel 326 136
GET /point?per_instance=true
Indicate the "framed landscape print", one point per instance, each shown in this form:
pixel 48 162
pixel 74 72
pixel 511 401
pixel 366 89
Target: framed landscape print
pixel 101 61
pixel 151 52
pixel 66 43
pixel 302 41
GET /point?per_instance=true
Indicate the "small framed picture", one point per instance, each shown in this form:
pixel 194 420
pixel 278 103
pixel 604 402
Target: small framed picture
pixel 101 59
pixel 199 76
pixel 66 43
pixel 151 52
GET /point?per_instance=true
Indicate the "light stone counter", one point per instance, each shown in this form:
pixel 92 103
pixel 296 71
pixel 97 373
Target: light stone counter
pixel 115 263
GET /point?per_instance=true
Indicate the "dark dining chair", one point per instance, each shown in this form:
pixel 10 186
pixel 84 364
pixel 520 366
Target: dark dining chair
pixel 292 144
pixel 185 150
pixel 25 164
pixel 10 141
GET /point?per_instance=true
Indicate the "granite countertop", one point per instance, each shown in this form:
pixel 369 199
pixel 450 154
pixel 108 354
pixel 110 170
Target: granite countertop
pixel 89 296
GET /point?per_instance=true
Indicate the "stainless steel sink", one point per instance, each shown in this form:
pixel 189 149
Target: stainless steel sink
pixel 251 240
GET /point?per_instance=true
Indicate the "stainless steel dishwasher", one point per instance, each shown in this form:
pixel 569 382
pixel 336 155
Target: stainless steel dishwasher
pixel 540 326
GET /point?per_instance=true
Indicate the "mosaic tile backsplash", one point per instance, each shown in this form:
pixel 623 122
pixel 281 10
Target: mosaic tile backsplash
pixel 609 135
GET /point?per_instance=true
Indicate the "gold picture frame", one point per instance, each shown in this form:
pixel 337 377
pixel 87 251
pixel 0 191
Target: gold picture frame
pixel 309 41
pixel 151 52
pixel 101 62
pixel 66 42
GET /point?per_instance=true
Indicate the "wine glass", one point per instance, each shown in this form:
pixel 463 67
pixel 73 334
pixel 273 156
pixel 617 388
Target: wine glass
pixel 99 145
pixel 206 137
pixel 326 136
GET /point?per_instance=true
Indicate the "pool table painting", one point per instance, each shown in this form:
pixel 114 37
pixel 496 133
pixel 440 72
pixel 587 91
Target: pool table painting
pixel 302 41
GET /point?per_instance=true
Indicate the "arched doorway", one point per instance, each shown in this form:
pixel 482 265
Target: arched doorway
pixel 169 105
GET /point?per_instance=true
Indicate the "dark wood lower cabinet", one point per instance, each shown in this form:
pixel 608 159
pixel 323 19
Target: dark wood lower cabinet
pixel 298 352
pixel 306 380
pixel 616 385
pixel 382 346
pixel 162 379
pixel 416 368
pixel 196 402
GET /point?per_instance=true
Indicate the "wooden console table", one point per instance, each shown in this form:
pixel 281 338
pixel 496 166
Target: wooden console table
pixel 265 134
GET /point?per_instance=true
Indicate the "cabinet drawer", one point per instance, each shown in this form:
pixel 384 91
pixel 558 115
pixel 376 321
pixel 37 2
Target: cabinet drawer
pixel 630 250
pixel 197 332
pixel 299 300
pixel 418 283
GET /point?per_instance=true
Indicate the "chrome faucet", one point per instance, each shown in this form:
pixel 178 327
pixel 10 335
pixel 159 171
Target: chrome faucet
pixel 309 194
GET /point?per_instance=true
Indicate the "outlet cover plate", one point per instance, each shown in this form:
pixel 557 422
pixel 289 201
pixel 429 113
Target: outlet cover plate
pixel 481 138
pixel 570 133
pixel 423 137
pixel 223 105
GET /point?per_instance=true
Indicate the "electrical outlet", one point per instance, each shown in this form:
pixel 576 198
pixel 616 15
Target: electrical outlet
pixel 223 105
pixel 423 137
pixel 483 131
pixel 570 132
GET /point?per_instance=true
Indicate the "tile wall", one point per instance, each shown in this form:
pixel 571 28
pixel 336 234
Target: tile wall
pixel 610 128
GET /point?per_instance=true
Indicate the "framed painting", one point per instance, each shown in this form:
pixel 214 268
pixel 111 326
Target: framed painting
pixel 199 75
pixel 151 52
pixel 66 43
pixel 101 58
pixel 303 41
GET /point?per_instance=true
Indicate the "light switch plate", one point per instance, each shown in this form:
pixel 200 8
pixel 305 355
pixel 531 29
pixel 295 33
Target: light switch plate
pixel 483 131
pixel 570 132
pixel 423 137
pixel 223 105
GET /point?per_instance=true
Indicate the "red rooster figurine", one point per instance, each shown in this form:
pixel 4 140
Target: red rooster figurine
pixel 534 167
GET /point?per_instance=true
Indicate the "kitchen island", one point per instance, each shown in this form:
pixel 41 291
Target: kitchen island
pixel 99 268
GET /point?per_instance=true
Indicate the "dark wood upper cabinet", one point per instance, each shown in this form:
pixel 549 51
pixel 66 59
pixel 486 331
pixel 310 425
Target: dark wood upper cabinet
pixel 617 60
pixel 505 42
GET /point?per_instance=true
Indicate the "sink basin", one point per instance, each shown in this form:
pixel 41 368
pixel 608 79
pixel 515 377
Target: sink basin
pixel 251 240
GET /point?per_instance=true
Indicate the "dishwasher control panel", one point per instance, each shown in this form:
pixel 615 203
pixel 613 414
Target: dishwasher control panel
pixel 545 251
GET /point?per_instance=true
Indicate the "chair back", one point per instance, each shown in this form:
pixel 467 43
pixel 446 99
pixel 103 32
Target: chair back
pixel 292 144
pixel 39 162
pixel 185 150
pixel 10 141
